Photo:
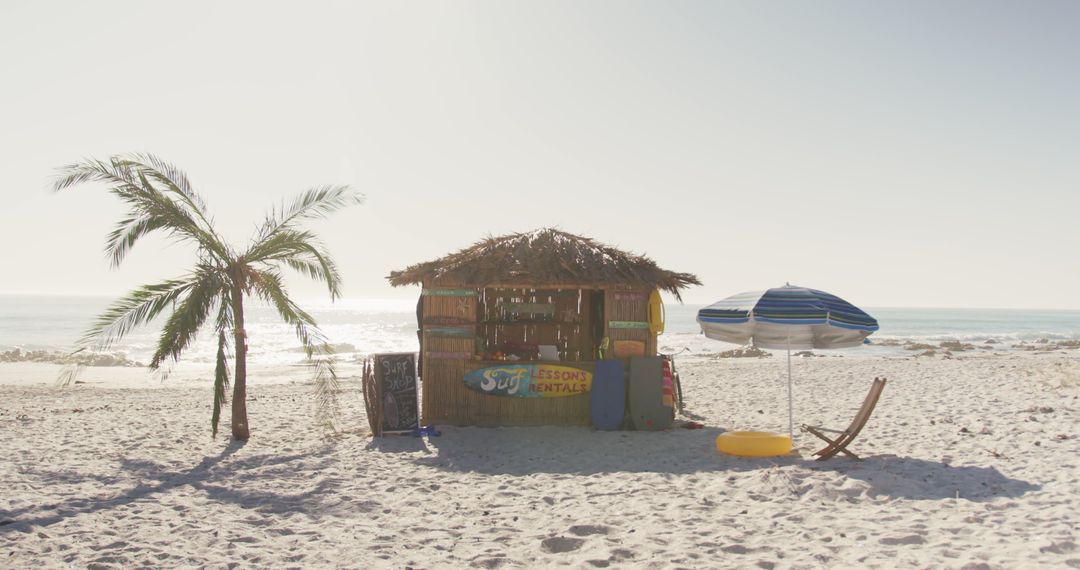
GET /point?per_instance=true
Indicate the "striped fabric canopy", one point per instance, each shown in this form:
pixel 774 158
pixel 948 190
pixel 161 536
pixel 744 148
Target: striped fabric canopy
pixel 787 317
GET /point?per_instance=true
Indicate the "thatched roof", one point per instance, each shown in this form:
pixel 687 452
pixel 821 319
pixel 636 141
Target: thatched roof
pixel 544 257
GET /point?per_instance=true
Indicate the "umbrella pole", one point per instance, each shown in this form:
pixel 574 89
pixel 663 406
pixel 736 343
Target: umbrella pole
pixel 790 405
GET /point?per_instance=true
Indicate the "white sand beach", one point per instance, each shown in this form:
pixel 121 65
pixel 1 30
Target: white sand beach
pixel 519 193
pixel 969 463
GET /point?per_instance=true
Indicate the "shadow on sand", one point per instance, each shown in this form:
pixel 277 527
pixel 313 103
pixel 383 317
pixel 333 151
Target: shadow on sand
pixel 397 444
pixel 211 475
pixel 919 479
pixel 580 451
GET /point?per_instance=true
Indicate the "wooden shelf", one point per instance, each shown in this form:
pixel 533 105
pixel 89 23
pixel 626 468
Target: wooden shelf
pixel 473 364
pixel 528 322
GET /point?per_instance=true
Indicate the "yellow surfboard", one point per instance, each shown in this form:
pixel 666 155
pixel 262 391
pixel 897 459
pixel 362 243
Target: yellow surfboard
pixel 656 312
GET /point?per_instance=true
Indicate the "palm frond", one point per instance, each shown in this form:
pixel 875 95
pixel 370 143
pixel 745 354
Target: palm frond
pixel 124 236
pixel 133 183
pixel 134 309
pixel 188 316
pixel 318 202
pixel 224 321
pixel 171 176
pixel 320 270
pixel 89 170
pixel 221 381
pixel 327 388
pixel 267 285
pixel 221 370
pixel 68 374
pixel 301 251
pixel 174 181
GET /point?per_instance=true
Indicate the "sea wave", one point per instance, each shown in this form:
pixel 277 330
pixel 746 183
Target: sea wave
pixel 81 358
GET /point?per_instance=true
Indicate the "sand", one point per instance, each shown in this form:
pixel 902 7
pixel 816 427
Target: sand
pixel 970 463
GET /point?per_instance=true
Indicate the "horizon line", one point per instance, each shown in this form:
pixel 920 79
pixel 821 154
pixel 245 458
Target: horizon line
pixel 307 299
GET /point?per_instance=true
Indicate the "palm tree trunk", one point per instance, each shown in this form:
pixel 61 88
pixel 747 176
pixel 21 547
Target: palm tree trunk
pixel 240 430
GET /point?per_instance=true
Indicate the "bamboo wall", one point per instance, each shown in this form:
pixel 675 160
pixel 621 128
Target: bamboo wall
pixel 449 340
pixel 457 326
pixel 625 308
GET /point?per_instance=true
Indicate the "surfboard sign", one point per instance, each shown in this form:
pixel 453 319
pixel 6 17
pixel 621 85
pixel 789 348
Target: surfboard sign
pixel 530 381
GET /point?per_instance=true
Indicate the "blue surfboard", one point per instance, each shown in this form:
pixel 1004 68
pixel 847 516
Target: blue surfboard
pixel 607 401
pixel 647 409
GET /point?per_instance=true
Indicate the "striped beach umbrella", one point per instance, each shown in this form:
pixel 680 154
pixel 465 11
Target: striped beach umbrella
pixel 787 317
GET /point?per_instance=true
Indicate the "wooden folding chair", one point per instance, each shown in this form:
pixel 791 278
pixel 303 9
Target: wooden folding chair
pixel 840 443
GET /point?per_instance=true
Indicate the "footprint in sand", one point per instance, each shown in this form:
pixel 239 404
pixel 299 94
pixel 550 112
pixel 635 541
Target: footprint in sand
pixel 490 563
pixel 560 544
pixel 589 529
pixel 112 546
pixel 909 539
pixel 1059 547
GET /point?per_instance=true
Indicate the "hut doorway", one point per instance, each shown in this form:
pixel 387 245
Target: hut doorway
pixel 538 324
pixel 596 317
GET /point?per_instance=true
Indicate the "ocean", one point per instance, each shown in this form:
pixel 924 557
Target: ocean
pixel 363 326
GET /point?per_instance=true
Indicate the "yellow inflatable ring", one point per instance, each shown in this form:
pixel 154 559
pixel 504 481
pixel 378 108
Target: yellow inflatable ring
pixel 753 443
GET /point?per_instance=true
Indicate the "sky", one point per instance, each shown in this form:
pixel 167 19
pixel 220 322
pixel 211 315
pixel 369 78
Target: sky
pixel 907 154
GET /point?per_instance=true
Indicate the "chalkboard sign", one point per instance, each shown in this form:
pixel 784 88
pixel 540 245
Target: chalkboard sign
pixel 395 403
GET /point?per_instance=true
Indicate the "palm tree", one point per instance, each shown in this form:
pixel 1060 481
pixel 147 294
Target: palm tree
pixel 160 198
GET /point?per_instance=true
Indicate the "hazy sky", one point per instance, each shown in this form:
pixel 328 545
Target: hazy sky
pixel 903 154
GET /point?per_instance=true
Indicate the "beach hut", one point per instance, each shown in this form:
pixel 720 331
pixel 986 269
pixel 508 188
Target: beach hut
pixel 545 303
